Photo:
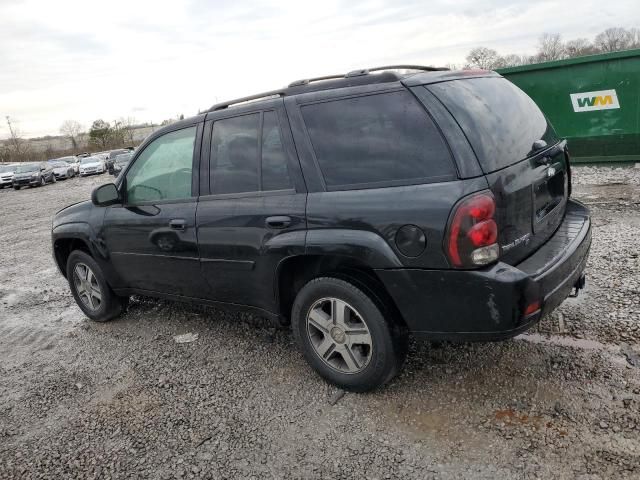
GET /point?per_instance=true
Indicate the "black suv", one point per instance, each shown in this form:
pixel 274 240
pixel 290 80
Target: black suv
pixel 360 208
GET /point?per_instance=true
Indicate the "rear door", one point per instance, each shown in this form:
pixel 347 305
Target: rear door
pixel 524 161
pixel 254 213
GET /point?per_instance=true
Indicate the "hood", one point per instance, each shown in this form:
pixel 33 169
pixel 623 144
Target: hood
pixel 92 164
pixel 77 212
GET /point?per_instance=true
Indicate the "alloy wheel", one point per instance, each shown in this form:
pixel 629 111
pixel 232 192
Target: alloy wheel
pixel 339 335
pixel 87 286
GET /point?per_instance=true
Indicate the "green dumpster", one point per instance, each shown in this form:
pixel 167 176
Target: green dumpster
pixel 592 101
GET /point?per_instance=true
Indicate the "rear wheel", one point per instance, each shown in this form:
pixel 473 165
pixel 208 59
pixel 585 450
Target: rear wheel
pixel 90 289
pixel 345 336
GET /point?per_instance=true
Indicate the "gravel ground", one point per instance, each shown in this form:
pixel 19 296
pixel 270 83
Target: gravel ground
pixel 124 400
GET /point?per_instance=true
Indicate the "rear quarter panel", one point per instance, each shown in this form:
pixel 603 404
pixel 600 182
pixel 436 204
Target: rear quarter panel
pixel 383 211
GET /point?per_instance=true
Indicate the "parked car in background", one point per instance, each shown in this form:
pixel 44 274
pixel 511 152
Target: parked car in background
pixel 6 175
pixel 119 163
pixel 111 157
pixel 33 175
pixel 63 169
pixel 71 160
pixel 101 155
pixel 91 165
pixel 360 209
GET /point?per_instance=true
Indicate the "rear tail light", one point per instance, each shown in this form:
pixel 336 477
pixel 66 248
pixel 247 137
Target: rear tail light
pixel 472 235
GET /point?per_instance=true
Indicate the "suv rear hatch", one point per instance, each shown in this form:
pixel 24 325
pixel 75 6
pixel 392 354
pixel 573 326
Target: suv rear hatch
pixel 525 163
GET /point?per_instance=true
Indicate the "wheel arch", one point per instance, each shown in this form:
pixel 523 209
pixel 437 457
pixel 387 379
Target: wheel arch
pixel 296 271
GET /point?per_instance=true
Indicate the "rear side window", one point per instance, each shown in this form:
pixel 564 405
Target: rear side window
pixel 376 140
pixel 247 159
pixel 498 118
pixel 234 153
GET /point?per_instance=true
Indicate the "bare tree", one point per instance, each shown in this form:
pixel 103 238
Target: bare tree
pixel 71 129
pixel 614 39
pixel 18 148
pixel 128 126
pixel 484 58
pixel 579 47
pixel 634 34
pixel 514 60
pixel 550 47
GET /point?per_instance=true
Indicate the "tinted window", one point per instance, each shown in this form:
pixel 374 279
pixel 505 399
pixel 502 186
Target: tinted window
pixel 234 155
pixel 376 139
pixel 499 119
pixel 163 170
pixel 275 174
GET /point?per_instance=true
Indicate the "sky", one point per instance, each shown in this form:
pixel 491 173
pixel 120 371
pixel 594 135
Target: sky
pixel 151 60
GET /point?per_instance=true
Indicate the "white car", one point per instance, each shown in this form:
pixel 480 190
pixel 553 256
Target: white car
pixel 91 165
pixel 73 161
pixel 6 175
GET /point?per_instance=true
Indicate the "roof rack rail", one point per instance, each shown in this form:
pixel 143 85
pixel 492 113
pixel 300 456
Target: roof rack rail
pixel 250 98
pixel 366 71
pixel 307 81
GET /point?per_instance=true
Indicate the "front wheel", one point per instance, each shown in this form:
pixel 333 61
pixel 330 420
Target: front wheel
pixel 16 188
pixel 53 179
pixel 90 289
pixel 345 336
pixel 43 181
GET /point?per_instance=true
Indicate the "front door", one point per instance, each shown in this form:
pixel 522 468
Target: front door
pixel 254 215
pixel 151 238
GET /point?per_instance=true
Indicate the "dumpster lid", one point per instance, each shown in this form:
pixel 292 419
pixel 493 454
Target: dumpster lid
pixel 601 57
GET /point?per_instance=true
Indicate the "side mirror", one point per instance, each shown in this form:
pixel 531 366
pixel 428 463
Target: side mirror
pixel 105 195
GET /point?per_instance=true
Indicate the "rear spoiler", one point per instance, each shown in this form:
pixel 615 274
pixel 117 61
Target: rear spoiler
pixel 446 75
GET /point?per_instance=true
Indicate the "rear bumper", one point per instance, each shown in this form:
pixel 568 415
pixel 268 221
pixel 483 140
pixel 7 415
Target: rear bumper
pixel 489 304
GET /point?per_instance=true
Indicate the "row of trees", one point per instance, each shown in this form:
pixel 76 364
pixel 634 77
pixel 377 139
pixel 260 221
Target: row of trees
pixel 552 47
pixel 101 135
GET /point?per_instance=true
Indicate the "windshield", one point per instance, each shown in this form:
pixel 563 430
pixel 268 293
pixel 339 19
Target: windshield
pixel 68 159
pixel 90 160
pixel 124 158
pixel 6 168
pixel 59 164
pixel 32 167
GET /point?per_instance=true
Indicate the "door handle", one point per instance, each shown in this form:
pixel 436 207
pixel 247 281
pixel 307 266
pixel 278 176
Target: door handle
pixel 178 224
pixel 278 222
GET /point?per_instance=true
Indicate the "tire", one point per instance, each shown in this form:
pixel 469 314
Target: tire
pixel 16 188
pixel 53 179
pixel 109 305
pixel 377 362
pixel 43 181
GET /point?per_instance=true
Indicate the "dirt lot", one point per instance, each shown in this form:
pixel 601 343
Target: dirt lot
pixel 85 400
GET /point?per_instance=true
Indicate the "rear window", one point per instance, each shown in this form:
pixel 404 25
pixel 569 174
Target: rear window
pixel 498 118
pixel 376 140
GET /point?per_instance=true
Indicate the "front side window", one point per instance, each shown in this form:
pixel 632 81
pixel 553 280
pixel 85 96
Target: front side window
pixel 245 159
pixel 376 139
pixel 163 171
